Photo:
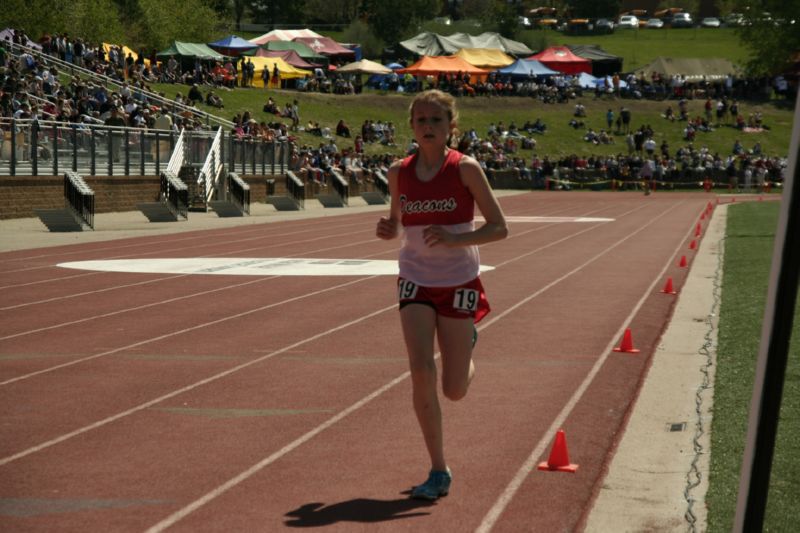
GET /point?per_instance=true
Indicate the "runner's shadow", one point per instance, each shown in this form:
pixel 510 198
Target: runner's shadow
pixel 357 510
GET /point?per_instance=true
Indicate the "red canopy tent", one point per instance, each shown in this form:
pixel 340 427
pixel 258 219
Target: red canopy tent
pixel 433 65
pixel 562 59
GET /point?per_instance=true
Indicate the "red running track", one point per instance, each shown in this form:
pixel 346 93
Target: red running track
pixel 145 402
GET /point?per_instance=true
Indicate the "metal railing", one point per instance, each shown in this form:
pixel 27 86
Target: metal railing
pixel 239 192
pixel 257 156
pixel 340 186
pixel 212 167
pixel 176 194
pixel 296 189
pixel 178 155
pixel 381 183
pixel 79 198
pixel 50 148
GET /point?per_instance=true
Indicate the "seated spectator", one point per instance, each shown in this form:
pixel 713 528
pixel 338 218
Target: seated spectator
pixel 271 107
pixel 577 124
pixel 668 114
pixel 214 100
pixel 342 129
pixel 195 96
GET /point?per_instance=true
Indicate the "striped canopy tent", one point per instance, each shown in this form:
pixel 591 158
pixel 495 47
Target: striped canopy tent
pixel 287 71
pixel 488 58
pixel 284 35
pixel 434 65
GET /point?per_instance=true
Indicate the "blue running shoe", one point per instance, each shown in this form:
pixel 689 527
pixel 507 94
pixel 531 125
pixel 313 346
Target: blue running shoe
pixel 437 485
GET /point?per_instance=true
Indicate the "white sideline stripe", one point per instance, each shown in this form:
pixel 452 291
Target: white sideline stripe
pixel 179 332
pixel 243 476
pixel 513 486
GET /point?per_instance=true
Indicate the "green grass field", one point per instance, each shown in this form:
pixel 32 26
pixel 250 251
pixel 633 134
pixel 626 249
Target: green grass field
pixel 748 254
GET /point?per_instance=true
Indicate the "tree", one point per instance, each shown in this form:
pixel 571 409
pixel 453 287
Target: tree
pixel 773 40
pixel 278 11
pixel 333 11
pixel 594 9
pixel 390 22
pixel 690 6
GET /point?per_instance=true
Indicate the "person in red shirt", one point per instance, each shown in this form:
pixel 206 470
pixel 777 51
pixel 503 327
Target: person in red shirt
pixel 433 195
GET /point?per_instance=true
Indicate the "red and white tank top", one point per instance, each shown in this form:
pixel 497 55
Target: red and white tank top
pixel 444 201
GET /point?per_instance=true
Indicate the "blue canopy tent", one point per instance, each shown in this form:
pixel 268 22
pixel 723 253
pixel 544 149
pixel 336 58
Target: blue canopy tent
pixel 526 67
pixel 232 46
pixel 380 81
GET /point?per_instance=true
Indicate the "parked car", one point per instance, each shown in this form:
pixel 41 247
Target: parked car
pixel 682 20
pixel 654 24
pixel 604 26
pixel 734 20
pixel 710 22
pixel 628 22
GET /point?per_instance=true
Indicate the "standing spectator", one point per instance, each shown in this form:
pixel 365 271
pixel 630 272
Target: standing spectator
pixel 625 115
pixel 610 119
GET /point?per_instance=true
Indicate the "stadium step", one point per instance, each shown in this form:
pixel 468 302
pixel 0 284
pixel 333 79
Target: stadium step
pixel 60 220
pixel 330 200
pixel 373 198
pixel 283 203
pixel 226 209
pixel 158 212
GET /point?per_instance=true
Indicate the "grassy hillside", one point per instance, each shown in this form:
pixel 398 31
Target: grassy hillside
pixel 478 113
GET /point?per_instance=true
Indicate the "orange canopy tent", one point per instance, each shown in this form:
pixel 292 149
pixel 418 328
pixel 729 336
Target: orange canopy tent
pixel 433 65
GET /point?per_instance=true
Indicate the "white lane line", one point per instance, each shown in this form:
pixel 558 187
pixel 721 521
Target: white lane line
pixel 130 309
pixel 243 476
pixel 491 517
pixel 140 407
pixel 182 331
pixel 120 415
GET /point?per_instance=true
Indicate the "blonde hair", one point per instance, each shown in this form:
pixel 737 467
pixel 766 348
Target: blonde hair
pixel 443 100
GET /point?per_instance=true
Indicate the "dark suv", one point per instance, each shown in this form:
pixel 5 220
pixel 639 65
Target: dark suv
pixel 682 20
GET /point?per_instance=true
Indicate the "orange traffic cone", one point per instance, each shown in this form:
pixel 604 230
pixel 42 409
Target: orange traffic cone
pixel 668 289
pixel 683 263
pixel 627 343
pixel 703 215
pixel 693 244
pixel 698 230
pixel 559 456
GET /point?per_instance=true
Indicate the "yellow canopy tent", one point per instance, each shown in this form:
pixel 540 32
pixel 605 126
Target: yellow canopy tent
pixel 125 52
pixel 286 70
pixel 490 58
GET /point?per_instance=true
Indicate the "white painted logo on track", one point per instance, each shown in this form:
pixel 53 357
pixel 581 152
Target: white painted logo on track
pixel 246 266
